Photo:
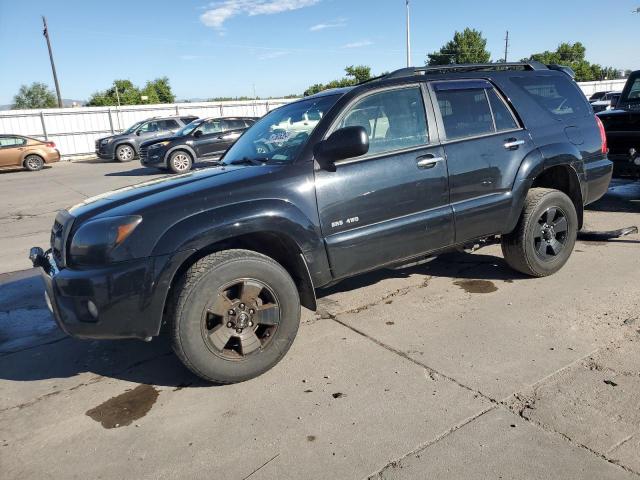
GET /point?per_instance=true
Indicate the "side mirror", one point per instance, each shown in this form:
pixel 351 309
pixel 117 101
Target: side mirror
pixel 138 132
pixel 348 142
pixel 197 133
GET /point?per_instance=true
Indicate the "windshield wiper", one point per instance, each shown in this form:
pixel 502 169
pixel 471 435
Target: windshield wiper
pixel 250 161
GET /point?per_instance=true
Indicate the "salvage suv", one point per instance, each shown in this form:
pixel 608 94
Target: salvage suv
pixel 397 169
pixel 125 146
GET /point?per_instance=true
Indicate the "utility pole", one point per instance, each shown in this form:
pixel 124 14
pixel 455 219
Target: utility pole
pixel 506 47
pixel 408 36
pixel 53 65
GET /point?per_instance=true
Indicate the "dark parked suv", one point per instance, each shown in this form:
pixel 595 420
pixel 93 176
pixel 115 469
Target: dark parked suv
pixel 125 146
pixel 386 173
pixel 201 139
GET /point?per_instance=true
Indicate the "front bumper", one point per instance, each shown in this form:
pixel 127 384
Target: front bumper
pixel 153 157
pixel 128 296
pixel 104 152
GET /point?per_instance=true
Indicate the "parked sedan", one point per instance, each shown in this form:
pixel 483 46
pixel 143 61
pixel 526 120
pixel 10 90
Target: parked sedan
pixel 206 138
pixel 27 152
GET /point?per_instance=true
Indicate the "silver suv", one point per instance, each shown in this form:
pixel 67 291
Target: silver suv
pixel 125 146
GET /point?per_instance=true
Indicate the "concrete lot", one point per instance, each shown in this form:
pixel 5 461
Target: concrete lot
pixel 456 369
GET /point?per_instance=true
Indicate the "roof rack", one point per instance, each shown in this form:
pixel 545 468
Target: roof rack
pixel 470 67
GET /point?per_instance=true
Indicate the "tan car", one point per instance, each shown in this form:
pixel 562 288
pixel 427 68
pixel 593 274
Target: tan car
pixel 27 152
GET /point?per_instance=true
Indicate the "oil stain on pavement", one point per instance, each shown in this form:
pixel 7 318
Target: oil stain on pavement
pixel 123 409
pixel 476 286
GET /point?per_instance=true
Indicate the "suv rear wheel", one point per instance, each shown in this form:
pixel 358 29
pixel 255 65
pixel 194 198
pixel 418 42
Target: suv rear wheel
pixel 125 153
pixel 180 161
pixel 544 238
pixel 233 316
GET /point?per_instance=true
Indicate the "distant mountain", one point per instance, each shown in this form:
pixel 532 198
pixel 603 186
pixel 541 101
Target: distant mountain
pixel 67 102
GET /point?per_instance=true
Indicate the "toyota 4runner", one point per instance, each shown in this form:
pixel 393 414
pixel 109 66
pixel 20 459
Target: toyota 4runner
pixel 394 170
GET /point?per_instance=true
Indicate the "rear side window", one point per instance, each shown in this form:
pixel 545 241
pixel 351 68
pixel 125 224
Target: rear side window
pixel 393 119
pixel 501 113
pixel 234 124
pixel 187 120
pixel 168 125
pixel 555 94
pixel 12 141
pixel 465 113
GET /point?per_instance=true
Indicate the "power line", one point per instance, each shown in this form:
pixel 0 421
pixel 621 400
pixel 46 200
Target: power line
pixel 45 32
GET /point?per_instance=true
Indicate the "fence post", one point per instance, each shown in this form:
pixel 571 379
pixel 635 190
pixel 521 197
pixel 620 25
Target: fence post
pixel 44 127
pixel 221 111
pixel 177 109
pixel 111 122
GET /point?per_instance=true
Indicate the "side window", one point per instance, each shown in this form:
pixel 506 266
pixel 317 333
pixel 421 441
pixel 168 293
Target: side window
pixel 501 113
pixel 558 95
pixel 8 142
pixel 187 120
pixel 465 113
pixel 394 120
pixel 233 124
pixel 169 125
pixel 634 91
pixel 149 127
pixel 210 127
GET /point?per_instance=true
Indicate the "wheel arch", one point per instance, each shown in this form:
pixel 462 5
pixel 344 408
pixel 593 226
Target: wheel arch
pixel 185 148
pixel 565 179
pixel 32 154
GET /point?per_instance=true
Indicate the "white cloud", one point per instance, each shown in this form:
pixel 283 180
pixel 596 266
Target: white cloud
pixel 324 26
pixel 220 12
pixel 363 43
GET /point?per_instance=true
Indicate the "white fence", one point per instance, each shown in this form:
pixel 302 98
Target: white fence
pixel 75 130
pixel 589 88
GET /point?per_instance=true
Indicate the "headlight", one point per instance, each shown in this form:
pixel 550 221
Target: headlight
pixel 160 144
pixel 100 241
pixel 106 141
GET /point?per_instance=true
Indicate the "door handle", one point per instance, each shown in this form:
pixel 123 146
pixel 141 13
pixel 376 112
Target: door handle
pixel 513 143
pixel 429 161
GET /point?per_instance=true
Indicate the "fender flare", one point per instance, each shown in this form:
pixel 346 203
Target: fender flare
pixel 534 164
pixel 184 147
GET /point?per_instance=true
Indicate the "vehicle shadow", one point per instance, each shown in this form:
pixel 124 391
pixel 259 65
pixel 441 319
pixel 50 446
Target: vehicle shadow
pixel 453 265
pixel 137 172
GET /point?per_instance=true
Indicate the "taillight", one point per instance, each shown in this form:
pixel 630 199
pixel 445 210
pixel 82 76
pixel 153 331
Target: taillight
pixel 603 136
pixel 50 144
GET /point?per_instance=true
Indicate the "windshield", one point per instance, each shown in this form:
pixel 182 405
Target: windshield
pixel 187 129
pixel 133 127
pixel 632 91
pixel 280 135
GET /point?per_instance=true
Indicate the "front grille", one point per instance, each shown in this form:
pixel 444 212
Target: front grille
pixel 143 154
pixel 59 233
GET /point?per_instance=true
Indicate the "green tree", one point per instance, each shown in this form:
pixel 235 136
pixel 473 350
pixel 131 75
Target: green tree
pixel 468 46
pixel 574 55
pixel 128 93
pixel 355 75
pixel 36 95
pixel 159 91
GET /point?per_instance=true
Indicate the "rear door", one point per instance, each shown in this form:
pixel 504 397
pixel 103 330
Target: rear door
pixel 484 145
pixel 233 128
pixel 391 204
pixel 11 150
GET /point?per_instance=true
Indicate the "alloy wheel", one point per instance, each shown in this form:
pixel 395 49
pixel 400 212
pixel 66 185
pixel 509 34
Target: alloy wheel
pixel 241 319
pixel 181 162
pixel 125 153
pixel 551 233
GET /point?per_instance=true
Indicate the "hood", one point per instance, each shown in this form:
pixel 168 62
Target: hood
pixel 165 191
pixel 117 136
pixel 158 140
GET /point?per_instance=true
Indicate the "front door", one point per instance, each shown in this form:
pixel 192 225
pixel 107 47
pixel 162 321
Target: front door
pixel 391 204
pixel 484 146
pixel 211 140
pixel 11 150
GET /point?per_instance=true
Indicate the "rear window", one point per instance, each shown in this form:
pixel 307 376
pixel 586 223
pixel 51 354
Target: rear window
pixel 634 91
pixel 557 95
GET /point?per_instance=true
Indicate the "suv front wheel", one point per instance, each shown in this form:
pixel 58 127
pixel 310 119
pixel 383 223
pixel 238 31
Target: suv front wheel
pixel 545 235
pixel 125 153
pixel 180 161
pixel 233 316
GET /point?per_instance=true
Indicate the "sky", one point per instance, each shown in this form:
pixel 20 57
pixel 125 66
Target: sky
pixel 280 47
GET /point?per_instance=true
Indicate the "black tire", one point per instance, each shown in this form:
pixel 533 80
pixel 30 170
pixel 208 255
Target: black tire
pixel 180 161
pixel 196 301
pixel 125 153
pixel 33 163
pixel 545 235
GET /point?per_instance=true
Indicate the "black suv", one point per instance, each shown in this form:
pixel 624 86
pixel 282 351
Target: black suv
pixel 125 146
pixel 386 173
pixel 201 139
